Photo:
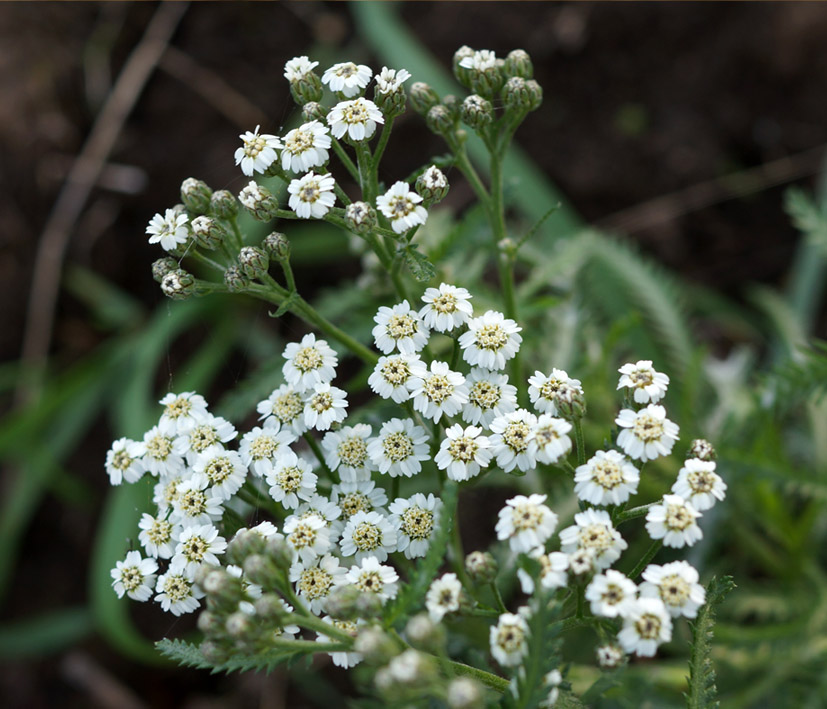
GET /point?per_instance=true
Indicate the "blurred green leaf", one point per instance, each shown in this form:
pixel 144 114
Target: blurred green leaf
pixel 43 634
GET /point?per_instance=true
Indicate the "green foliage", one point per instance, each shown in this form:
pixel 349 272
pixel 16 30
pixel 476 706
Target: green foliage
pixel 418 264
pixel 808 217
pixel 802 378
pixel 189 655
pixel 702 691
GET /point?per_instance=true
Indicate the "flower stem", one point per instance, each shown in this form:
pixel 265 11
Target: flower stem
pixel 498 597
pixel 647 557
pixel 317 451
pixel 381 145
pixel 500 684
pixel 345 158
pixel 634 513
pixel 581 443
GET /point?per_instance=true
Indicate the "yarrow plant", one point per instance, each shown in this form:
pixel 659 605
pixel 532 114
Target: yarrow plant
pixel 331 524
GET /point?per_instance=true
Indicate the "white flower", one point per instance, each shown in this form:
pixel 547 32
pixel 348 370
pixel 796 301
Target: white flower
pixel 170 230
pixel 182 412
pixel 257 153
pixel 416 519
pixel 401 206
pixel 205 437
pixel 225 471
pixel 368 534
pixel 325 406
pixel 286 406
pixel 489 396
pixel 297 67
pixel 347 78
pixel 123 461
pixel 513 440
pixel 177 592
pixel 195 503
pixel 391 375
pixel 346 451
pixel 480 60
pixel 676 584
pixel 607 479
pixel 399 327
pixel 306 147
pixel 647 433
pixel 699 484
pixel 156 535
pixel 582 561
pixel 315 581
pixel 311 196
pixel 646 626
pixel 509 639
pixel 526 522
pixel 593 529
pixel 309 536
pixel 253 196
pixel 291 478
pixel 161 457
pixel 437 391
pixel 199 545
pixel 363 496
pixel 357 118
pixel 649 386
pixel 399 448
pixel 463 452
pixel 491 340
pixel 345 660
pixel 372 577
pixel 259 447
pixel 443 597
pixel 165 492
pixel 309 362
pixel 545 391
pixel 134 576
pixel 609 656
pixel 611 594
pixel 321 506
pixel 551 680
pixel 446 307
pixel 389 80
pixel 674 521
pixel 552 441
pixel 553 569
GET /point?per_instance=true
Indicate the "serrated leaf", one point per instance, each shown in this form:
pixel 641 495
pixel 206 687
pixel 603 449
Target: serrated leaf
pixel 189 655
pixel 418 264
pixel 806 215
pixel 286 304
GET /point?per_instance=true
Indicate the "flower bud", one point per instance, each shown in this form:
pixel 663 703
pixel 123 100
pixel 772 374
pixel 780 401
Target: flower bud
pixel 225 590
pixel 235 280
pixel 516 95
pixel 482 567
pixel 476 112
pixel 215 653
pixel 241 626
pixel 178 284
pixel 432 186
pixel 243 544
pixel 424 634
pixel 377 647
pixel 208 233
pixel 453 104
pixel 360 217
pixel 423 98
pixel 277 246
pixel 162 267
pixel 610 656
pixel 341 603
pixel 412 669
pixel 488 82
pixel 535 94
pixel 254 262
pixel 261 570
pixel 518 63
pixel 307 88
pixel 223 204
pixel 465 693
pixel 259 201
pixel 313 111
pixel 280 552
pixel 703 449
pixel 391 103
pixel 439 120
pixel 570 402
pixel 271 609
pixel 463 75
pixel 210 623
pixel 195 195
pixel 368 606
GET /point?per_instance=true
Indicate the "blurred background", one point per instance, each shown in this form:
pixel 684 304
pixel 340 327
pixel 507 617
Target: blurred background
pixel 678 129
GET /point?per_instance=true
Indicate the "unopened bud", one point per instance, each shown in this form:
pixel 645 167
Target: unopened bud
pixel 377 647
pixel 208 232
pixel 215 653
pixel 424 634
pixel 463 75
pixel 271 609
pixel 254 262
pixel 476 112
pixel 701 448
pixel 423 98
pixel 360 217
pixel 440 121
pixel 235 280
pixel 241 626
pixel 223 204
pixel 368 606
pixel 162 267
pixel 259 201
pixel 178 284
pixel 482 567
pixel 453 104
pixel 277 245
pixel 488 82
pixel 211 623
pixel 341 603
pixel 412 668
pixel 518 63
pixel 225 590
pixel 280 552
pixel 465 693
pixel 306 89
pixel 313 111
pixel 261 570
pixel 195 195
pixel 535 94
pixel 432 186
pixel 391 103
pixel 570 401
pixel 516 95
pixel 243 544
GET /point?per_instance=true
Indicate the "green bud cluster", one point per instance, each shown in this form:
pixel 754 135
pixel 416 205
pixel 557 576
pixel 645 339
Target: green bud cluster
pixel 208 232
pixel 196 196
pixel 476 112
pixel 307 89
pixel 178 284
pixel 223 204
pixel 277 246
pixel 481 567
pixel 360 218
pixel 254 261
pixel 235 280
pixel 162 267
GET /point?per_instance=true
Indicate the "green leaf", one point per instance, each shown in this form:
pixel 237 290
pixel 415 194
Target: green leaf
pixel 46 633
pixel 189 655
pixel 806 215
pixel 285 306
pixel 702 690
pixel 418 264
pixel 111 307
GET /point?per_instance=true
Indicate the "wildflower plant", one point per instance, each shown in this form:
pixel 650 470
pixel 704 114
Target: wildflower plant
pixel 329 527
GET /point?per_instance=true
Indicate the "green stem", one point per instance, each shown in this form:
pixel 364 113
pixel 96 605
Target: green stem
pixel 311 622
pixel 288 274
pixel 634 513
pixel 345 159
pixel 307 645
pixel 580 441
pixel 239 238
pixel 457 552
pixel 366 173
pixel 647 557
pixel 259 501
pixel 203 258
pixel 483 612
pixel 341 194
pixel 317 451
pixel 286 214
pixel 498 598
pixel 382 144
pixel 493 681
pixel 467 169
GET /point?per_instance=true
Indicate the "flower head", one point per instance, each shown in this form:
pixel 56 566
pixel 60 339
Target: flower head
pixel 593 530
pixel 391 375
pixel 416 519
pixel 674 521
pixel 311 196
pixel 676 584
pixel 699 484
pixel 648 385
pixel 123 461
pixel 550 393
pixel 399 448
pixel 290 479
pixel 324 406
pixel 176 590
pixel 399 327
pixel 157 534
pixel 357 119
pixel 296 68
pixel 198 545
pixel 260 446
pixel 305 147
pixel 606 479
pixel 368 534
pixel 446 307
pixel 509 639
pixel 390 80
pixel 513 442
pixel 611 594
pixel 437 391
pixel 372 577
pixel 315 581
pixel 480 60
pixel 550 436
pixel 401 206
pixel 309 362
pixel 225 470
pixel 647 434
pixel 134 576
pixel 443 597
pixel 463 452
pixel 526 522
pixel 553 568
pixel 169 230
pixel 489 396
pixel 491 340
pixel 347 78
pixel 257 152
pixel 286 405
pixel 645 626
pixel 346 451
pixel 309 536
